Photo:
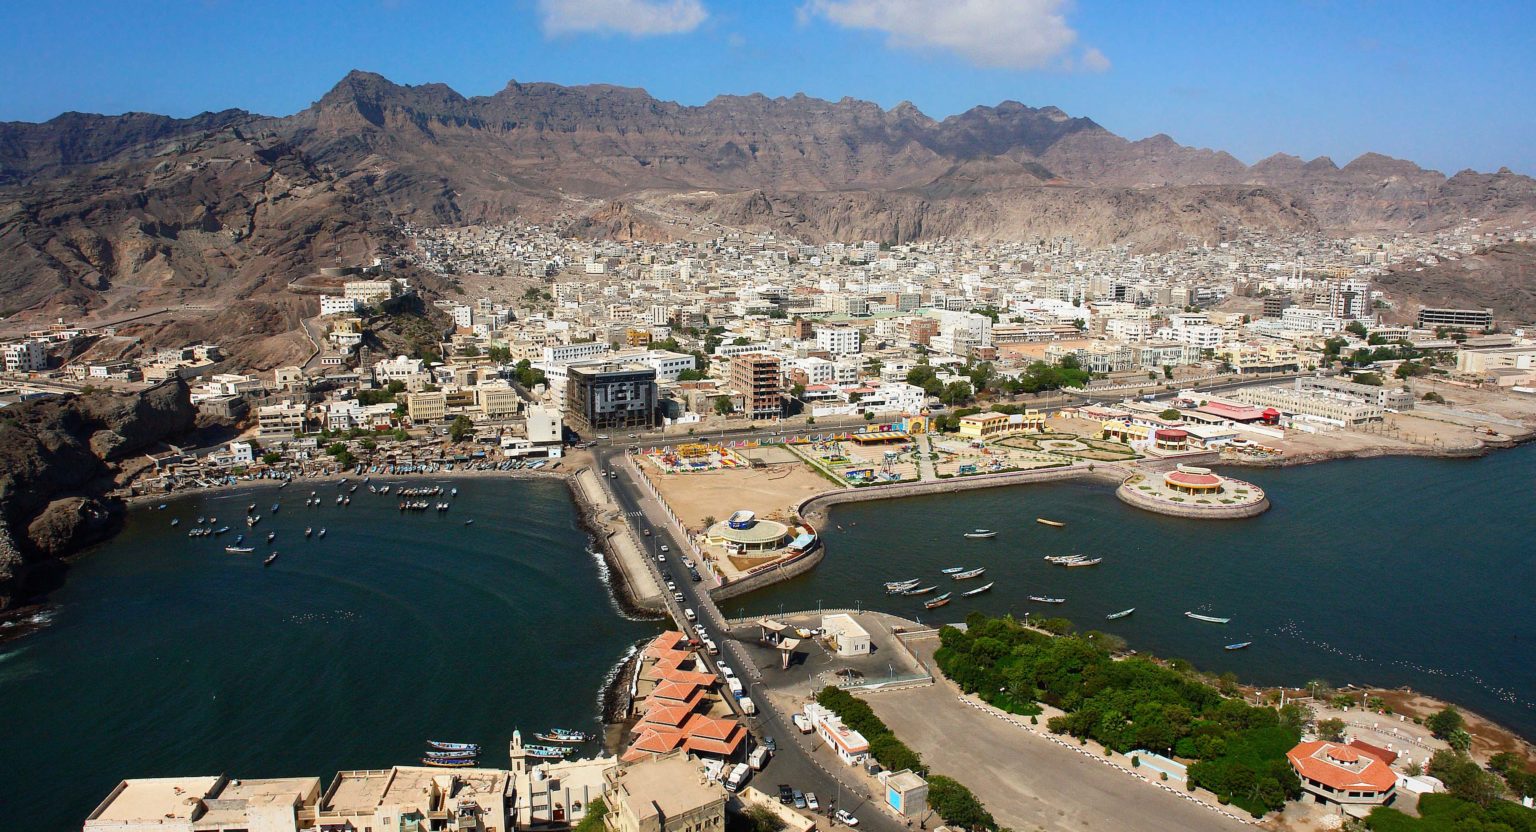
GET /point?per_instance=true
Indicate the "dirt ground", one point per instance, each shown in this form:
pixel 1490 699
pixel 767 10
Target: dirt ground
pixel 772 491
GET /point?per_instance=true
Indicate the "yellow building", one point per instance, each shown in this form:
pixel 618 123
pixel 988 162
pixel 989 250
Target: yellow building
pixel 426 407
pixel 992 425
pixel 667 793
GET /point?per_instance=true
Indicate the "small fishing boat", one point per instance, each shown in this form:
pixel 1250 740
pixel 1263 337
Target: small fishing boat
pixel 175 521
pixel 548 752
pixel 1044 522
pixel 1089 562
pixel 201 520
pixel 980 534
pixel 1238 646
pixel 968 574
pixel 1064 558
pixel 471 747
pixel 1121 614
pixel 322 534
pixel 920 590
pixel 952 570
pixel 457 762
pixel 938 602
pixel 1041 599
pixel 271 536
pixel 239 539
pixel 275 507
pixel 270 558
pixel 977 591
pixel 160 507
pixel 564 735
pixel 1211 618
pixel 469 522
pixel 221 530
pixel 239 550
pixel 250 508
pixel 253 520
pixel 309 531
pixel 894 587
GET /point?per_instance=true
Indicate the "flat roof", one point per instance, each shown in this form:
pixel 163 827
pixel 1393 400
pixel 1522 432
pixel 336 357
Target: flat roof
pixel 671 785
pixel 156 799
pixel 357 791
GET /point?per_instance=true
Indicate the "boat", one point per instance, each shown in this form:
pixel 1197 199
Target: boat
pixel 239 550
pixel 977 591
pixel 322 533
pixel 1044 600
pixel 1044 522
pixel 450 755
pixel 952 570
pixel 271 536
pixel 920 590
pixel 980 534
pixel 239 539
pixel 551 752
pixel 221 530
pixel 894 587
pixel 309 531
pixel 471 747
pixel 270 558
pixel 253 520
pixel 201 520
pixel 564 735
pixel 250 508
pixel 1064 558
pixel 938 602
pixel 447 763
pixel 175 521
pixel 1211 618
pixel 968 574
pixel 469 522
pixel 1238 646
pixel 1089 562
pixel 1121 614
pixel 275 507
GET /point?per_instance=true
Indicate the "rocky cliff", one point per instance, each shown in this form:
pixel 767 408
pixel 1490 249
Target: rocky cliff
pixel 59 459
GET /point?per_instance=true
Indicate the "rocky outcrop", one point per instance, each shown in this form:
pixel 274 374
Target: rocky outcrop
pixel 58 462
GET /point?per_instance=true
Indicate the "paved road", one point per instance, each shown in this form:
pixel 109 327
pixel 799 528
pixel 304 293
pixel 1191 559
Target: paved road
pixel 1027 781
pixel 795 763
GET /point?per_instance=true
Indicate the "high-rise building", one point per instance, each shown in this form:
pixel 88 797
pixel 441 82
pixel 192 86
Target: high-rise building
pixel 1349 299
pixel 760 381
pixel 611 396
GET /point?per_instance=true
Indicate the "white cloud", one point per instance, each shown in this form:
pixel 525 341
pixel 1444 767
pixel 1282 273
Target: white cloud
pixel 636 18
pixel 1014 34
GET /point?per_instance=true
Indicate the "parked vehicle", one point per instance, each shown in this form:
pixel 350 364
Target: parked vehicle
pixel 786 794
pixel 738 777
pixel 758 758
pixel 799 799
pixel 802 722
pixel 689 614
pixel 845 817
pixel 811 802
pixel 748 707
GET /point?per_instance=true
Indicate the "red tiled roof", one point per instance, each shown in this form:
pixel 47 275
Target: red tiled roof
pixel 1192 480
pixel 1388 757
pixel 1323 762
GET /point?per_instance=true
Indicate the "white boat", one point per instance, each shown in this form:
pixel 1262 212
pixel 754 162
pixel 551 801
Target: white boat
pixel 1044 522
pixel 1211 618
pixel 239 550
pixel 901 586
pixel 1090 562
pixel 981 534
pixel 977 591
pixel 322 532
pixel 1064 558
pixel 952 570
pixel 920 590
pixel 1041 599
pixel 968 574
pixel 1238 646
pixel 1121 614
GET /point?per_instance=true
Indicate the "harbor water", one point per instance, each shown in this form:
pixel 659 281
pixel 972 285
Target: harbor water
pixel 167 656
pixel 1387 572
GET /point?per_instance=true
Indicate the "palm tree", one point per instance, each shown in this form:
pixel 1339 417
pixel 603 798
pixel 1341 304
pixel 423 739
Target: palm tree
pixel 1316 685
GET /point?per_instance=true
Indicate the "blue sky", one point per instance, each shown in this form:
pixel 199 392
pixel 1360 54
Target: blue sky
pixel 1447 85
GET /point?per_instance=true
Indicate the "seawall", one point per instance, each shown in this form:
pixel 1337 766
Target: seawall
pixel 1132 497
pixel 815 508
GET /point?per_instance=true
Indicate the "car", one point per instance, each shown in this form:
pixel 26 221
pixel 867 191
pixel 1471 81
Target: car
pixel 602 436
pixel 768 743
pixel 689 614
pixel 811 802
pixel 686 562
pixel 845 817
pixel 671 587
pixel 786 794
pixel 678 597
pixel 799 799
pixel 661 558
pixel 725 669
pixel 665 548
pixel 633 435
pixel 693 575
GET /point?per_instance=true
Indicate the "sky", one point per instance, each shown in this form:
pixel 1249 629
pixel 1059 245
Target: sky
pixel 1448 85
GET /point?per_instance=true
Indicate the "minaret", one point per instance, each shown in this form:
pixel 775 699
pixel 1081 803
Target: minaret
pixel 519 756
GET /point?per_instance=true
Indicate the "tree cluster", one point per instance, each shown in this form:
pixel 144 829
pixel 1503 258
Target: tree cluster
pixel 887 750
pixel 1448 813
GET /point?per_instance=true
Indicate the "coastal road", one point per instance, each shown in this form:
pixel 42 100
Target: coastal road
pixel 795 762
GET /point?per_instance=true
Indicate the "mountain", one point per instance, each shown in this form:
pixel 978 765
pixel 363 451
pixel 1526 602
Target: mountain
pixel 120 212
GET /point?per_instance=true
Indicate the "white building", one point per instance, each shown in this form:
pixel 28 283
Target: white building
pixel 339 306
pixel 412 372
pixel 845 634
pixel 241 453
pixel 370 292
pixel 849 745
pixel 25 356
pixel 838 340
pixel 570 353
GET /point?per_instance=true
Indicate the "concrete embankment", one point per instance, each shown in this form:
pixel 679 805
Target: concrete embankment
pixel 1131 496
pixel 634 586
pixel 815 508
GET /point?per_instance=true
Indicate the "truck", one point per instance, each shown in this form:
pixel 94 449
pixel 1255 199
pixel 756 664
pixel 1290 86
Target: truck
pixel 748 707
pixel 738 777
pixel 735 685
pixel 758 758
pixel 802 722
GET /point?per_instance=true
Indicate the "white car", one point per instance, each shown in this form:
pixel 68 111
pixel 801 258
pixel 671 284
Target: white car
pixel 678 597
pixel 661 558
pixel 671 587
pixel 811 802
pixel 725 670
pixel 845 817
pixel 665 548
pixel 689 614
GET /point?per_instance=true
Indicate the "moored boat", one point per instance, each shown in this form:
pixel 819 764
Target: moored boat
pixel 968 574
pixel 980 534
pixel 1238 646
pixel 938 602
pixel 455 746
pixel 447 763
pixel 1121 614
pixel 451 755
pixel 952 570
pixel 1211 618
pixel 270 558
pixel 1064 558
pixel 1044 522
pixel 239 550
pixel 549 752
pixel 1089 562
pixel 977 591
pixel 920 590
pixel 1041 599
pixel 564 735
pixel 894 587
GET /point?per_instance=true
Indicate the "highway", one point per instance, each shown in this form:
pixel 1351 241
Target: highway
pixel 793 763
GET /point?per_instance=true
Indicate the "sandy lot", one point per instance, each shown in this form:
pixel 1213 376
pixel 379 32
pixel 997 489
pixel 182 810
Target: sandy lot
pixel 772 491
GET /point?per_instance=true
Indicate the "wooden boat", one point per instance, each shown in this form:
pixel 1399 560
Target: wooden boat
pixel 1211 618
pixel 1238 646
pixel 322 533
pixel 1041 599
pixel 897 587
pixel 548 752
pixel 1121 614
pixel 968 574
pixel 981 534
pixel 1059 559
pixel 451 755
pixel 920 590
pixel 447 763
pixel 308 532
pixel 239 550
pixel 175 521
pixel 270 558
pixel 1089 562
pixel 977 591
pixel 455 746
pixel 937 602
pixel 563 735
pixel 1044 522
pixel 271 536
pixel 952 570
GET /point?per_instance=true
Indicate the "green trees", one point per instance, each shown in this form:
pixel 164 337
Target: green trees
pixel 957 805
pixel 1357 329
pixel 723 405
pixel 460 428
pixel 1464 778
pixel 955 392
pixel 271 458
pixel 1331 730
pixel 884 746
pixel 592 821
pixel 500 355
pixel 1170 414
pixel 385 394
pixel 1444 722
pixel 1446 812
pixel 526 375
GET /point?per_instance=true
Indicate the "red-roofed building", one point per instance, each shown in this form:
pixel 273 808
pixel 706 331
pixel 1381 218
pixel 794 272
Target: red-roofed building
pixel 1347 775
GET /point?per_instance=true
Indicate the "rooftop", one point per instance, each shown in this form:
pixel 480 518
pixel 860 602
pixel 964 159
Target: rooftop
pixel 156 799
pixel 668 786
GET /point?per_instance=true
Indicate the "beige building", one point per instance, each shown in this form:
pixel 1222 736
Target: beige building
pixel 497 401
pixel 668 793
pixel 285 419
pixel 426 407
pixel 990 425
pixel 418 797
pixel 208 804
